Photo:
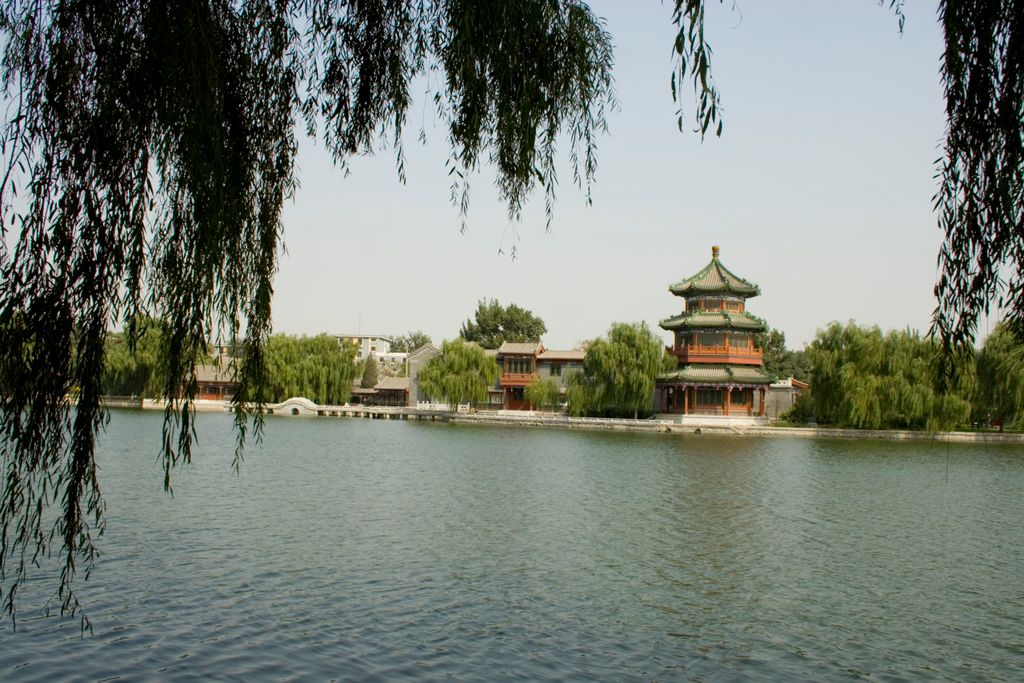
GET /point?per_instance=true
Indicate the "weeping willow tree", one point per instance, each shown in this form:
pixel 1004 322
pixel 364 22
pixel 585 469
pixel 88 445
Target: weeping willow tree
pixel 543 393
pixel 865 379
pixel 132 366
pixel 318 368
pixel 579 390
pixel 462 373
pixel 999 396
pixel 618 373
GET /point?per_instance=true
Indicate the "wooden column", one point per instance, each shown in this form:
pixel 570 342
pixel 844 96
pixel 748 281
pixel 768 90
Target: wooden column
pixel 728 398
pixel 761 409
pixel 686 400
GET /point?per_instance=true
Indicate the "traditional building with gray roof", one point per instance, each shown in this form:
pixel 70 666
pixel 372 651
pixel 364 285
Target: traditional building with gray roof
pixel 523 363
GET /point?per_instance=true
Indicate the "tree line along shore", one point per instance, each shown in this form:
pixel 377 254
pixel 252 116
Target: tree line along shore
pixel 859 376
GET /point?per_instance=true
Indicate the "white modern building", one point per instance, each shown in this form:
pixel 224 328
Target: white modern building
pixel 377 344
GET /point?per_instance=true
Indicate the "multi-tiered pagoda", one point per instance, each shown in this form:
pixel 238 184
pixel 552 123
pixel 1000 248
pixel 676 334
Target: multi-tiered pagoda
pixel 720 369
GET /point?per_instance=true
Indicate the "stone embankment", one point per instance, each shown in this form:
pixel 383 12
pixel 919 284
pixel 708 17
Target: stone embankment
pixel 711 427
pixel 302 407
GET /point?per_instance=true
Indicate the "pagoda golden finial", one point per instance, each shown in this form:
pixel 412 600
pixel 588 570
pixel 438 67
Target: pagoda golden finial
pixel 714 251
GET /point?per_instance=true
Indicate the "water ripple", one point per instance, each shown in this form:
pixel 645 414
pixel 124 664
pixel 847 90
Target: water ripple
pixel 362 550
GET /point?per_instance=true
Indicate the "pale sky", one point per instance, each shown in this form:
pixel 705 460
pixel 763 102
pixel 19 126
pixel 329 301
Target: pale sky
pixel 819 190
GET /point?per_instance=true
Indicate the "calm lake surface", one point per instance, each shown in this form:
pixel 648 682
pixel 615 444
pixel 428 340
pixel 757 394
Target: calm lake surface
pixel 372 550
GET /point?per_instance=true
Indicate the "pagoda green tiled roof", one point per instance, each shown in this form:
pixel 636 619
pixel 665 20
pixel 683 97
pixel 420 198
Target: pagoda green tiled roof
pixel 715 278
pixel 714 320
pixel 715 375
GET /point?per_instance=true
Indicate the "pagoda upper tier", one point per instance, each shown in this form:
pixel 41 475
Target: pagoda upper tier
pixel 714 326
pixel 714 278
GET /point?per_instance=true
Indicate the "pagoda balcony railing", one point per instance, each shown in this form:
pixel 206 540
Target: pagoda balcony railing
pixel 517 379
pixel 736 355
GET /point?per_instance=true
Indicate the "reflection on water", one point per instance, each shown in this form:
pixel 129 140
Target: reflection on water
pixel 364 550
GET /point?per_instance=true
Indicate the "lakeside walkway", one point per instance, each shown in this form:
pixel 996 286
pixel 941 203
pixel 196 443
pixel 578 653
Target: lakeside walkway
pixel 707 424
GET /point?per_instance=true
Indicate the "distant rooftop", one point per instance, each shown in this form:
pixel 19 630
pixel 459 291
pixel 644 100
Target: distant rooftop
pixel 392 383
pixel 556 354
pixel 520 348
pixel 214 373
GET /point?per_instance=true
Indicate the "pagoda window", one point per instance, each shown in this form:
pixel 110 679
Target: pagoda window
pixel 705 304
pixel 710 339
pixel 739 341
pixel 739 397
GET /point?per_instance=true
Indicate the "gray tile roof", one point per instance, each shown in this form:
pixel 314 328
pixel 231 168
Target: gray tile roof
pixel 519 348
pixel 214 373
pixel 556 354
pixel 713 320
pixel 427 349
pixel 714 375
pixel 393 384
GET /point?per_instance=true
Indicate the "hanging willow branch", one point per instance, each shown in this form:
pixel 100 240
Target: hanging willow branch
pixel 693 61
pixel 980 201
pixel 147 153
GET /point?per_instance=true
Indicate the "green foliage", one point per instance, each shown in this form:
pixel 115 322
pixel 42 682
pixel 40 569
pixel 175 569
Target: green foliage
pixel 618 373
pixel 543 394
pixel 865 379
pixel 780 361
pixel 579 392
pixel 407 343
pixel 999 396
pixel 462 373
pixel 319 368
pixel 494 324
pixel 773 344
pixel 371 373
pixel 132 367
pixel 802 411
pixel 669 362
pixel 980 201
pixel 693 59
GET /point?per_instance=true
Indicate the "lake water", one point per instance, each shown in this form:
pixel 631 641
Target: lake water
pixel 374 550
